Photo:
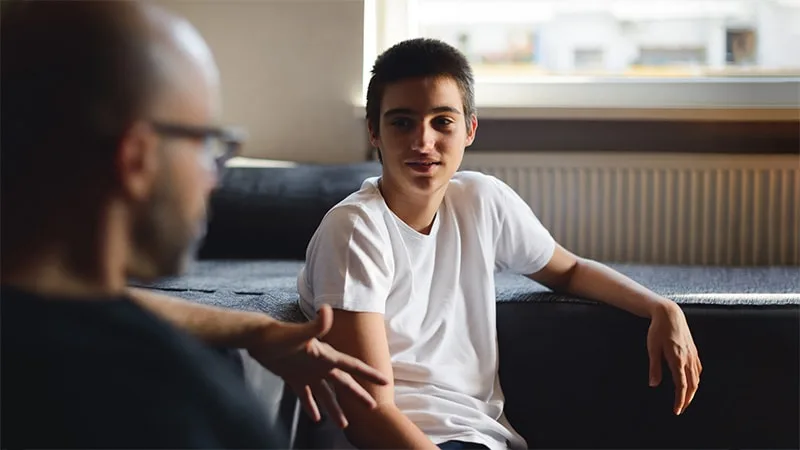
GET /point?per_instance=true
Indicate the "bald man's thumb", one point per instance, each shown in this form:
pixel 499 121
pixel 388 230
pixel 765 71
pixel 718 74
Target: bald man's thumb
pixel 300 334
pixel 324 320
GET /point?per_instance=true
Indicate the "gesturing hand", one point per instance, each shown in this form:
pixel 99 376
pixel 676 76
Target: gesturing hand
pixel 669 337
pixel 293 352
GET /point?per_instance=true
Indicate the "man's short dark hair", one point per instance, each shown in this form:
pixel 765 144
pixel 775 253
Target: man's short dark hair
pixel 419 58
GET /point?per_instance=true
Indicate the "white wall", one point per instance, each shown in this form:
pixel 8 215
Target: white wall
pixel 291 70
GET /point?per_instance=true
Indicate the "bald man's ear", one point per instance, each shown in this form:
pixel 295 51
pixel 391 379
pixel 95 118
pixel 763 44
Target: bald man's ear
pixel 137 161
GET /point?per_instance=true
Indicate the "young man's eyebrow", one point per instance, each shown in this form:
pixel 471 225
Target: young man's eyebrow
pixel 410 112
pixel 450 109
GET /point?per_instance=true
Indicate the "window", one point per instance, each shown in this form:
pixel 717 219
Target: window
pixel 635 54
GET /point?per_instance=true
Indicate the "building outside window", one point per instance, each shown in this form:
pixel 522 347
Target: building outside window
pixel 691 54
pixel 634 38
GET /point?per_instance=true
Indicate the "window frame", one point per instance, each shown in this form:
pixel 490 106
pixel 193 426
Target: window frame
pixel 569 97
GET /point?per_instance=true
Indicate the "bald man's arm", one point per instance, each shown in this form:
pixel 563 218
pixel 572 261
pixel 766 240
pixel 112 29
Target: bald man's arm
pixel 291 351
pixel 217 327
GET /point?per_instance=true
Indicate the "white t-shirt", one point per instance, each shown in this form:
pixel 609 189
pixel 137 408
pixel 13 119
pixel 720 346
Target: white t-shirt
pixel 436 293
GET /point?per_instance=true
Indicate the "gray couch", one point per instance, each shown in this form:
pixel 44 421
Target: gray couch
pixel 574 372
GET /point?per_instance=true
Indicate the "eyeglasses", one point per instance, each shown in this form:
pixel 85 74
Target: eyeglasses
pixel 220 143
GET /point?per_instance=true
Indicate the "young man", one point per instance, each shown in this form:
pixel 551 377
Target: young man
pixel 109 151
pixel 408 263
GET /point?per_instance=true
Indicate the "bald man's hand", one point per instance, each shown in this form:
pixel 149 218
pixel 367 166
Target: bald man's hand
pixel 313 368
pixel 290 350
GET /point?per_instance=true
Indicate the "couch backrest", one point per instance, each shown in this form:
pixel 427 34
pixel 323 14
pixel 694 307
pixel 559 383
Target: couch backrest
pixel 272 212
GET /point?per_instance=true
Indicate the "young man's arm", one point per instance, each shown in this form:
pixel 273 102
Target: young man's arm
pixel 363 335
pixel 669 333
pixel 291 351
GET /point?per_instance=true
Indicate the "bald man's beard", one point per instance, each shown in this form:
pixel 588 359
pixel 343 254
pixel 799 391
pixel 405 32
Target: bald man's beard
pixel 164 242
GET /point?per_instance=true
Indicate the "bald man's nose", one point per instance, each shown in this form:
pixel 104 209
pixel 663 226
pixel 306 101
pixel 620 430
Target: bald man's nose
pixel 211 172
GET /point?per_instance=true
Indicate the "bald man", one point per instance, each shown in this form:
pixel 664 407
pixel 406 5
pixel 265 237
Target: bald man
pixel 110 147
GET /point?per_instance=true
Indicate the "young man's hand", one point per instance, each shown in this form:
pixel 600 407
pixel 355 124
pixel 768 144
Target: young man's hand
pixel 312 368
pixel 669 338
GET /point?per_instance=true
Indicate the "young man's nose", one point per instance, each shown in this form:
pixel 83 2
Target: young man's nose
pixel 424 138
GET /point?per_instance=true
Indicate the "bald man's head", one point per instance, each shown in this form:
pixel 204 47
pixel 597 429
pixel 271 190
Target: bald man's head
pixel 71 71
pixel 82 71
pixel 83 83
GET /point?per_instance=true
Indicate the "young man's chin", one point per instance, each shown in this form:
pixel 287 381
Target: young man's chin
pixel 412 182
pixel 429 185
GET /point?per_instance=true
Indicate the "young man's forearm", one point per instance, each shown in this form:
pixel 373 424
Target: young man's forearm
pixel 387 427
pixel 592 280
pixel 215 326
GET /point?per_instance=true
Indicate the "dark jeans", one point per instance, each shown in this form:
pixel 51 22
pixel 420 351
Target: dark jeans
pixel 458 445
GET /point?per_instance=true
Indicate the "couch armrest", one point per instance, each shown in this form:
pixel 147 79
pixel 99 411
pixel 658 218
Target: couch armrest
pixel 575 375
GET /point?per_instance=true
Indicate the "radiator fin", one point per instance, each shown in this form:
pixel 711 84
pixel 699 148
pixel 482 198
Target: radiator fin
pixel 661 209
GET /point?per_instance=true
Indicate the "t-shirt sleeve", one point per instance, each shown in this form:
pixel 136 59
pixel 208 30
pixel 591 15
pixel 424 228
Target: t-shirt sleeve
pixel 348 263
pixel 523 245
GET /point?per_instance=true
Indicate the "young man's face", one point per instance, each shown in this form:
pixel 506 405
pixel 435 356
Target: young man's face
pixel 422 135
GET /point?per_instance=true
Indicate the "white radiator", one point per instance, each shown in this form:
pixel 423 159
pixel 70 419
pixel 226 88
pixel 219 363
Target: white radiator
pixel 660 208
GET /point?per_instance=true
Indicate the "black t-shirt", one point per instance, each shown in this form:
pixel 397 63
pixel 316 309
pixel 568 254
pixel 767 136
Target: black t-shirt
pixel 107 373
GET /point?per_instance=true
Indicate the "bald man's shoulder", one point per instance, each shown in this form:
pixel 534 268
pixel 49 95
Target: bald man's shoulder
pixel 110 374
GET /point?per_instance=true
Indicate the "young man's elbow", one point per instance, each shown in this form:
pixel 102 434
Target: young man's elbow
pixel 381 427
pixel 361 415
pixel 367 428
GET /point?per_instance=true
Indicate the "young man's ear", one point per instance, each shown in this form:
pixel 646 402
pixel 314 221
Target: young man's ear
pixel 374 139
pixel 137 161
pixel 472 128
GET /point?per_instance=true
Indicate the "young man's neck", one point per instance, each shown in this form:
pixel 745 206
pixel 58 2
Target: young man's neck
pixel 417 211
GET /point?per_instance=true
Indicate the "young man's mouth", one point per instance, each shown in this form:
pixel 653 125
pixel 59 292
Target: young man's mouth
pixel 423 166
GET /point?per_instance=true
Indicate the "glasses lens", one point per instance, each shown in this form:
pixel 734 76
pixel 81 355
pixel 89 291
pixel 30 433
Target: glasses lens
pixel 215 148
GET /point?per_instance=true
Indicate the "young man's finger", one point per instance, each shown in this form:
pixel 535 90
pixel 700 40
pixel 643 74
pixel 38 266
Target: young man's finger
pixel 654 353
pixel 679 378
pixel 345 381
pixel 693 379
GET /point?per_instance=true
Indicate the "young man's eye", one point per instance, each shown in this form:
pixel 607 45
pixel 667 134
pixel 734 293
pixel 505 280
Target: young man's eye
pixel 443 121
pixel 401 122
